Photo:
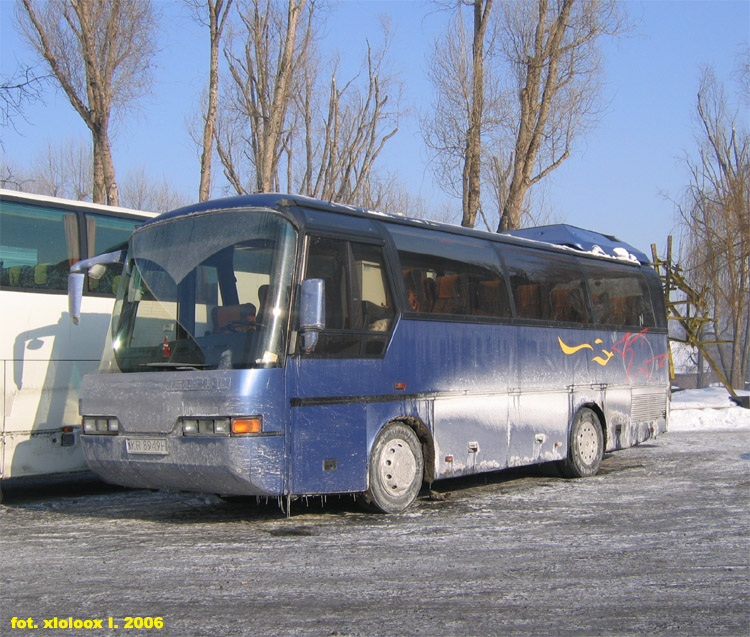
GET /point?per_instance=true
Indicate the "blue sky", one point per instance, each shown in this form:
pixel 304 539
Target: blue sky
pixel 618 181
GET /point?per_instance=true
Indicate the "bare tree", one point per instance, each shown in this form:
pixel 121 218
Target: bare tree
pixel 141 192
pixel 285 125
pixel 62 170
pixel 214 15
pixel 716 224
pixel 512 97
pixel 10 176
pixel 99 51
pixel 65 171
pixel 464 106
pixel 358 123
pixel 260 94
pixel 552 51
pixel 473 160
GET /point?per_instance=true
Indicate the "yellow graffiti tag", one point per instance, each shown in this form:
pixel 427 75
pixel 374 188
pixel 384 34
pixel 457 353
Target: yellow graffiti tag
pixel 601 360
pixel 567 349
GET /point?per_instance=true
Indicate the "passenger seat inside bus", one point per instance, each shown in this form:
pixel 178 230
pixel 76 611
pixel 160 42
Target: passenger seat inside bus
pixel 529 301
pixel 568 305
pixel 43 276
pixel 490 299
pixel 452 294
pixel 420 290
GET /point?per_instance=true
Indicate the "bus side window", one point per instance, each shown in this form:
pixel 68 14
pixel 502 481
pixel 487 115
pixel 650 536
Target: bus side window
pixel 37 247
pixel 455 276
pixel 358 303
pixel 326 259
pixel 371 283
pixel 619 295
pixel 546 287
pixel 104 234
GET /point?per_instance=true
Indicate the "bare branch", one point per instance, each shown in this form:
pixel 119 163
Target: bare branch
pixel 716 224
pixel 99 52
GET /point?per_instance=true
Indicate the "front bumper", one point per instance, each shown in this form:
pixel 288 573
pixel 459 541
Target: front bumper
pixel 250 465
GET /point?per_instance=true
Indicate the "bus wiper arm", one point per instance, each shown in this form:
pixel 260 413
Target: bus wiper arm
pixel 178 366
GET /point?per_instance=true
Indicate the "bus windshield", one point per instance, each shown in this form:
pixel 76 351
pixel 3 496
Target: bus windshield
pixel 208 291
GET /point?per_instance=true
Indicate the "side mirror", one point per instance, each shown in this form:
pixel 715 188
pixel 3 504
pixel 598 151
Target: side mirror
pixel 95 267
pixel 312 312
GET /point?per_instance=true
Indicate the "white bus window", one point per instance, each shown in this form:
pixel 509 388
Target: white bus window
pixel 37 246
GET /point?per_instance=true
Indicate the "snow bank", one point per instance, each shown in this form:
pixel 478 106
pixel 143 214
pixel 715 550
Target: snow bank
pixel 707 409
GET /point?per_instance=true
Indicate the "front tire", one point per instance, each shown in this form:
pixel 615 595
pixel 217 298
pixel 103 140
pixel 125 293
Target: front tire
pixel 586 446
pixel 395 471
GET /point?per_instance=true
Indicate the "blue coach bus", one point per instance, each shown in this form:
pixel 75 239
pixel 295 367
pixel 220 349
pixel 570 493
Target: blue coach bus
pixel 276 345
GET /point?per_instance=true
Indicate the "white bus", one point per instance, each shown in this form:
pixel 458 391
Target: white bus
pixel 42 358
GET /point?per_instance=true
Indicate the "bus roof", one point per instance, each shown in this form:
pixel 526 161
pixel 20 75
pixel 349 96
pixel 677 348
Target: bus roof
pixel 560 236
pixel 19 195
pixel 564 235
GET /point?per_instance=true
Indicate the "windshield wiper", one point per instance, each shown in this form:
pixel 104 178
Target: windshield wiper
pixel 178 366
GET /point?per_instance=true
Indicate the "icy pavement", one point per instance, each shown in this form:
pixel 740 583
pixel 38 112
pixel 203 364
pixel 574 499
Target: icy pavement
pixel 656 544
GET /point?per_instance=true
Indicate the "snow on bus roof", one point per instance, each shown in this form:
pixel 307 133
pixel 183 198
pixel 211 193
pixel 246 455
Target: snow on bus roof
pixel 588 241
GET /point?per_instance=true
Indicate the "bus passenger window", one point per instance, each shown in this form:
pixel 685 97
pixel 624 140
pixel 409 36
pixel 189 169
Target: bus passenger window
pixel 420 289
pixel 358 299
pixel 105 233
pixel 456 276
pixel 619 295
pixel 37 247
pixel 370 280
pixel 546 287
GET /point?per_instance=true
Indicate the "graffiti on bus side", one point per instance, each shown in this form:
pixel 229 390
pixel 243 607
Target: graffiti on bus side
pixel 626 349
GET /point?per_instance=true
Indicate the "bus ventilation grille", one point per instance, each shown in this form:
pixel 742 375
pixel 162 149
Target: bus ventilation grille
pixel 647 407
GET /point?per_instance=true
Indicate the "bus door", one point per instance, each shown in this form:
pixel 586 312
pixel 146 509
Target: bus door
pixel 334 390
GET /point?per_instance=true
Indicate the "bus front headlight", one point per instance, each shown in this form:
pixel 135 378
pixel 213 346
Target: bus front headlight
pixel 101 425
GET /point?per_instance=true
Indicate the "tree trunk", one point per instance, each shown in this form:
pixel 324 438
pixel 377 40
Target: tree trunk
pixel 269 154
pixel 473 153
pixel 511 217
pixel 105 185
pixel 204 188
pixel 99 53
pixel 216 22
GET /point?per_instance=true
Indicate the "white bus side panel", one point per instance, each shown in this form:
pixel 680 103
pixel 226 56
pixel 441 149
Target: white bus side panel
pixel 42 370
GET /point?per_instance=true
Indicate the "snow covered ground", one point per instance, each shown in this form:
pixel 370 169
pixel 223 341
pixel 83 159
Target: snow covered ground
pixel 707 409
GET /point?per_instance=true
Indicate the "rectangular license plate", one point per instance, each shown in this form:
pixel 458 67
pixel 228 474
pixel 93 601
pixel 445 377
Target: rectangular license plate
pixel 156 446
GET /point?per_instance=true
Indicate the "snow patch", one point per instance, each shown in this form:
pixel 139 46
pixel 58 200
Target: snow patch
pixel 622 253
pixel 597 250
pixel 707 409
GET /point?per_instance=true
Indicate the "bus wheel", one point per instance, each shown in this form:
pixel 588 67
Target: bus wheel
pixel 586 447
pixel 395 471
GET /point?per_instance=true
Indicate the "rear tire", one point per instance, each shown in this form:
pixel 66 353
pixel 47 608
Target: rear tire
pixel 395 471
pixel 586 446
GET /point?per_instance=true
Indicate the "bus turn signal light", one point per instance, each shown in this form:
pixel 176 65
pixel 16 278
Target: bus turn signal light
pixel 252 425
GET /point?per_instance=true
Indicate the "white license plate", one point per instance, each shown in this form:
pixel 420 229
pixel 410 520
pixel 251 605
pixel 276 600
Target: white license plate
pixel 157 446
